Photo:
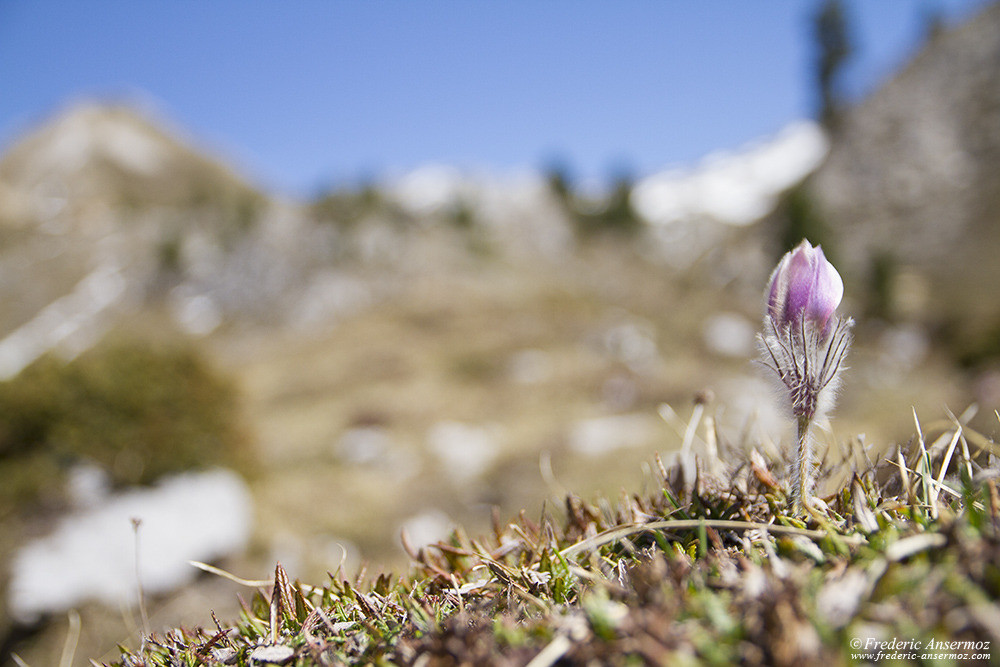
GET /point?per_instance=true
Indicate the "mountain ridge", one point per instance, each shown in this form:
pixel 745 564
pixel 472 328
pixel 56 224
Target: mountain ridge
pixel 92 158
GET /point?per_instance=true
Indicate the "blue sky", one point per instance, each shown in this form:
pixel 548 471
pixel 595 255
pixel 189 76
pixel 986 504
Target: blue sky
pixel 305 93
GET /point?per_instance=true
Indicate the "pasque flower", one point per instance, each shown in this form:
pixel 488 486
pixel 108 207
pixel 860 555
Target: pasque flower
pixel 805 343
pixel 804 285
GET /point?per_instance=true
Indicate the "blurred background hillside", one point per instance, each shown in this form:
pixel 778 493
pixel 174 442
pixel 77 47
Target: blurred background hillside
pixel 462 262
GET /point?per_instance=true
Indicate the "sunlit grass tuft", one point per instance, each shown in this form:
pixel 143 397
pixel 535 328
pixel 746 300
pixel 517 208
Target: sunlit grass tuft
pixel 705 567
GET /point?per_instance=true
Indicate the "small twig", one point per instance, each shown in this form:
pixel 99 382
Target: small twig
pixel 72 639
pixel 692 425
pixel 925 469
pixel 966 457
pixel 146 632
pixel 939 486
pixel 249 583
pixel 621 532
pixel 946 461
pixel 552 653
pixel 549 476
pixel 903 475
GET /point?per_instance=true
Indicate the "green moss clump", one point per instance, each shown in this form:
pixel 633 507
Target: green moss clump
pixel 138 410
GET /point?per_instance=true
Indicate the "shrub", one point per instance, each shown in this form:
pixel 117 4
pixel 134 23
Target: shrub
pixel 138 410
pixel 615 215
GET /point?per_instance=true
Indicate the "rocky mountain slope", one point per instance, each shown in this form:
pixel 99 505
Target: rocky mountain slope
pixel 910 192
pixel 95 159
pixel 93 206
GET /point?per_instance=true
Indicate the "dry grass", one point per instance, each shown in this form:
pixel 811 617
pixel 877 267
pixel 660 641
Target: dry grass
pixel 704 568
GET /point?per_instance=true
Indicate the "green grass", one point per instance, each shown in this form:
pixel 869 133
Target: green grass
pixel 708 569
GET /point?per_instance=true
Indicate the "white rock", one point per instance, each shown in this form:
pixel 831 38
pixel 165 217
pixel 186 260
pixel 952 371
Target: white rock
pixel 426 528
pixel 465 450
pixel 364 445
pixel 278 654
pixel 633 342
pixel 530 367
pixel 752 403
pixel 197 314
pixel 729 334
pixel 903 347
pixel 600 435
pixel 328 296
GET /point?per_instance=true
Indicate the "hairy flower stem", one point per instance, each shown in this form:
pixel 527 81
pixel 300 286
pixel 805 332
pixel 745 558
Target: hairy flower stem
pixel 807 361
pixel 802 474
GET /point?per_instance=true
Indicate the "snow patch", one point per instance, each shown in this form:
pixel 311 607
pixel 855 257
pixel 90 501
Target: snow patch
pixel 91 553
pixel 733 188
pixel 429 189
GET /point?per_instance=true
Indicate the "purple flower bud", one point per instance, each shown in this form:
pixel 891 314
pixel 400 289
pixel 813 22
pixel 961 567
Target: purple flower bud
pixel 804 285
